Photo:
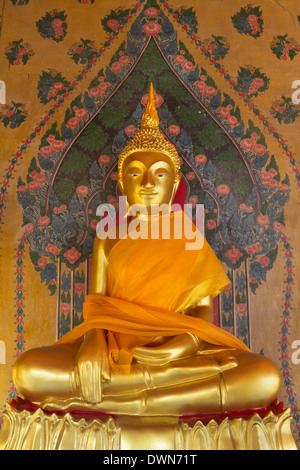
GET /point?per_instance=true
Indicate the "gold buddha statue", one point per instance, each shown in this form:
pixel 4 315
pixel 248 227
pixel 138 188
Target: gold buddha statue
pixel 147 345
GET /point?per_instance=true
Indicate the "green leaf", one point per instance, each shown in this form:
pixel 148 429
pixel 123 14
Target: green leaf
pixel 113 117
pixel 76 162
pixel 241 187
pixel 272 164
pixel 93 138
pixel 230 159
pixel 34 257
pixel 190 116
pixel 64 188
pixel 212 136
pixel 168 82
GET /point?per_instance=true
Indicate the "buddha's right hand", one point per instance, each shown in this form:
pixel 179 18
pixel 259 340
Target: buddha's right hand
pixel 92 366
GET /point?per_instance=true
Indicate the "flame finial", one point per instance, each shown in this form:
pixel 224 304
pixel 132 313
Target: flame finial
pixel 150 117
pixel 150 138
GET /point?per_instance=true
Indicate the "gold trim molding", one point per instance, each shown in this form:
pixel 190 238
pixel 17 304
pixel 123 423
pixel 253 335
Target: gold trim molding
pixel 26 430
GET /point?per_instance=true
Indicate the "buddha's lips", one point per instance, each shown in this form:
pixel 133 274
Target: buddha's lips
pixel 147 193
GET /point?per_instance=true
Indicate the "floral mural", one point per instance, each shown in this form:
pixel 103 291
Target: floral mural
pixel 236 160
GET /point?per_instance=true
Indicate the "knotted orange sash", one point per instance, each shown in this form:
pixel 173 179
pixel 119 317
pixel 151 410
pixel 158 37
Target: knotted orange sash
pixel 127 322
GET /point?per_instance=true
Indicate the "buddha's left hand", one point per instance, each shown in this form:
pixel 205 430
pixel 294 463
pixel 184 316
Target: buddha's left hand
pixel 177 347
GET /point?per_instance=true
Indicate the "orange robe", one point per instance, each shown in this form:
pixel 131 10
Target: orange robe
pixel 149 282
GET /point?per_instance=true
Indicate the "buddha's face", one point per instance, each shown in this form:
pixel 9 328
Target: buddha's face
pixel 148 178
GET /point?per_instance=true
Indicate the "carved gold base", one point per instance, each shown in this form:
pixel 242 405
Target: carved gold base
pixel 37 430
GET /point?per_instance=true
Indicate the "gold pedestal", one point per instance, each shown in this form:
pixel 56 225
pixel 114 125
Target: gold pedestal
pixel 38 430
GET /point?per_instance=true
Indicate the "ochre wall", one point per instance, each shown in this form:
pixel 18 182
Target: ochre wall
pixel 247 57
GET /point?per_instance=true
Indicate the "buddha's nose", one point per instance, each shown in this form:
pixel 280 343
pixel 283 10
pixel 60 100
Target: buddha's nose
pixel 148 181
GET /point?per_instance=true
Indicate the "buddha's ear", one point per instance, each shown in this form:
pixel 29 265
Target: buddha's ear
pixel 176 185
pixel 121 187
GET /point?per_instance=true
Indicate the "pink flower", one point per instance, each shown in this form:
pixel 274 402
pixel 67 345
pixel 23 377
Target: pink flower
pixel 258 82
pixel 263 219
pixel 125 59
pixel 188 66
pixel 29 228
pixel 104 159
pixel 57 23
pixel 265 176
pixel 42 262
pixel 103 86
pixel 273 184
pixel 65 308
pixel 277 226
pixel 79 50
pixel 58 86
pixel 232 121
pixel 253 248
pixel 173 129
pixel 93 224
pixel 130 130
pixel 52 249
pixel 179 59
pixel 241 308
pixel 50 138
pixel 158 100
pixel 94 92
pixel 44 221
pixel 79 287
pixel 72 255
pixel 116 66
pixel 151 12
pixel 233 254
pixel 190 176
pixel 223 189
pixel 284 187
pixel 46 151
pixel 252 18
pixel 113 24
pixel 40 178
pixel 82 190
pixel 114 176
pixel 112 200
pixel 211 224
pixel 264 261
pixel 58 145
pixel 200 159
pixel 152 28
pixel 259 149
pixel 81 113
pixel 22 188
pixel 272 172
pixel 33 185
pixel 193 200
pixel 200 84
pixel 281 109
pixel 9 113
pixel 211 91
pixel 73 122
pixel 224 112
pixel 247 144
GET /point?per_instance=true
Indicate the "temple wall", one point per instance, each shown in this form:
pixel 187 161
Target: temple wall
pixel 72 66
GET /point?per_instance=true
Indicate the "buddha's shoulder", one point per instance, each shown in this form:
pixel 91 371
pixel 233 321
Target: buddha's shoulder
pixel 106 239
